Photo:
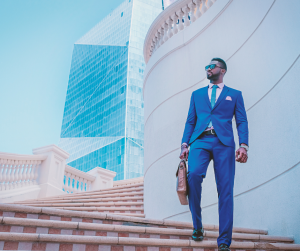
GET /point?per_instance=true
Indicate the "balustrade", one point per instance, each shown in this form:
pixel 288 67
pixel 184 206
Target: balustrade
pixel 17 171
pixel 45 174
pixel 77 181
pixel 172 20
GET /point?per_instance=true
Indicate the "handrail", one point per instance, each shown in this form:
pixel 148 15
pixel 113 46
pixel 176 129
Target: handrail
pixel 79 173
pixel 173 19
pixel 13 156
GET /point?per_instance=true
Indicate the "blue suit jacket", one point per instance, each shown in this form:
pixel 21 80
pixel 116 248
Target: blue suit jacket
pixel 201 112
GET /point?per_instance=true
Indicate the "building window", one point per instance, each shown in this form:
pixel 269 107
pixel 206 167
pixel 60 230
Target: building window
pixel 122 14
pixel 119 160
pixel 122 90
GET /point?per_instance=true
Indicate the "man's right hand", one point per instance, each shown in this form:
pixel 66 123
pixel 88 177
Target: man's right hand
pixel 184 152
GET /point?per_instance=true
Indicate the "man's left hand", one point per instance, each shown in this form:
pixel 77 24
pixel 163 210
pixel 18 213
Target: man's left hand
pixel 241 155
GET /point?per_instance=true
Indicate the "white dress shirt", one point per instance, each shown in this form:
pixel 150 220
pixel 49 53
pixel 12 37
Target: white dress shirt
pixel 219 90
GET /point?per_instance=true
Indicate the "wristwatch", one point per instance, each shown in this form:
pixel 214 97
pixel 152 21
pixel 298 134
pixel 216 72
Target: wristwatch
pixel 246 147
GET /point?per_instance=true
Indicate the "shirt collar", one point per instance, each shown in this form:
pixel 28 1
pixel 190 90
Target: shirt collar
pixel 221 85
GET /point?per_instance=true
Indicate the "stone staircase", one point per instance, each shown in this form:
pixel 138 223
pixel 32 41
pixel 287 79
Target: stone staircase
pixel 126 200
pixel 93 221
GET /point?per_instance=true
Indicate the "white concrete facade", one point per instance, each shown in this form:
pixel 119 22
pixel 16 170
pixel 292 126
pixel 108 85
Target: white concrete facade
pixel 259 40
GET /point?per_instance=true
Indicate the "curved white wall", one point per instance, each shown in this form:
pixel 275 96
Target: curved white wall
pixel 260 42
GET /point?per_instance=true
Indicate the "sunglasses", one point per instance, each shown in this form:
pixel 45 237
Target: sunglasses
pixel 211 66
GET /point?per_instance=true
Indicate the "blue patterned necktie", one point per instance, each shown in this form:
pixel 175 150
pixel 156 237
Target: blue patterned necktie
pixel 213 100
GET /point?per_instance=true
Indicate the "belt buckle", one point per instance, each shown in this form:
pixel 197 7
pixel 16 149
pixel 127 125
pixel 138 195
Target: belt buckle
pixel 212 132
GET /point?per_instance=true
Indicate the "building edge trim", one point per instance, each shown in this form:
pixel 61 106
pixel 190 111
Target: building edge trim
pixel 176 149
pixel 127 85
pixel 275 83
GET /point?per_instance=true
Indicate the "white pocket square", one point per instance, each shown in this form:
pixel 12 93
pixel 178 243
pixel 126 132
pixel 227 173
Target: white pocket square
pixel 228 98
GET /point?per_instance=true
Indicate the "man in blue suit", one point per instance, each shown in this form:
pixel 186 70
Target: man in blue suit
pixel 208 132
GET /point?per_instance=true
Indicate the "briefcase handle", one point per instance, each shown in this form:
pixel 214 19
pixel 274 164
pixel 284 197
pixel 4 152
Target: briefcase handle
pixel 184 161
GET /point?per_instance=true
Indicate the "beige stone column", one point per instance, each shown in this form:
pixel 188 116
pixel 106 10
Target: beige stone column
pixel 51 171
pixel 104 178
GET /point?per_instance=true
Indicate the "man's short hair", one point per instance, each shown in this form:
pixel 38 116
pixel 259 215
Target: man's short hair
pixel 223 64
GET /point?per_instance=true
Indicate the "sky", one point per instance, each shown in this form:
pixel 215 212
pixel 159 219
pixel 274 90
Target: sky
pixel 36 44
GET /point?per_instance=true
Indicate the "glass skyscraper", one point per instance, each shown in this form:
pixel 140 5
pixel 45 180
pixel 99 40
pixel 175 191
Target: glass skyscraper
pixel 103 121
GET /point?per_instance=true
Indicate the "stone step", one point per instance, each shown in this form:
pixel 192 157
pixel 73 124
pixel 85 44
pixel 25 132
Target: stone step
pixel 141 215
pixel 57 242
pixel 126 211
pixel 21 211
pixel 93 194
pixel 137 185
pixel 113 199
pixel 107 193
pixel 104 209
pixel 89 204
pixel 131 181
pixel 25 225
pixel 124 186
pixel 90 208
pixel 110 196
pixel 65 196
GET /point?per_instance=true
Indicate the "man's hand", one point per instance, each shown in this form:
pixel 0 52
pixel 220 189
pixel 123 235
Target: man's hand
pixel 241 155
pixel 184 152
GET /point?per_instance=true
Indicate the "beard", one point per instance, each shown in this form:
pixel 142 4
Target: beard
pixel 209 76
pixel 213 76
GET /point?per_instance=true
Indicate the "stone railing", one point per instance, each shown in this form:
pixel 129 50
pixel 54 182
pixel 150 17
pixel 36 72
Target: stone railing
pixel 173 19
pixel 45 174
pixel 18 171
pixel 77 181
pixel 32 176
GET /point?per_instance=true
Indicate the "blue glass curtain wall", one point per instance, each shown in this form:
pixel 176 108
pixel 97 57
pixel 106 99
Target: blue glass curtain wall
pixel 95 102
pixel 104 106
pixel 110 157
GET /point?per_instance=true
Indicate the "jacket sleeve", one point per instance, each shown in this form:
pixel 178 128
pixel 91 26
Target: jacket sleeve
pixel 241 120
pixel 190 122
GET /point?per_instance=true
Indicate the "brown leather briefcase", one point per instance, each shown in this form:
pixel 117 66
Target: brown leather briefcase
pixel 182 186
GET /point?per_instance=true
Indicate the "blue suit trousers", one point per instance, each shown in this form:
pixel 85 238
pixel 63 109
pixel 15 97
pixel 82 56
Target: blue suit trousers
pixel 204 149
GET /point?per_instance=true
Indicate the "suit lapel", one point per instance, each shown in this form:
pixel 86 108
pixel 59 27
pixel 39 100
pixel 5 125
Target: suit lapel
pixel 222 96
pixel 206 97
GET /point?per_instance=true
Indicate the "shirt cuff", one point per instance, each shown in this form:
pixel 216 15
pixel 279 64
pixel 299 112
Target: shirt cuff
pixel 247 149
pixel 184 144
